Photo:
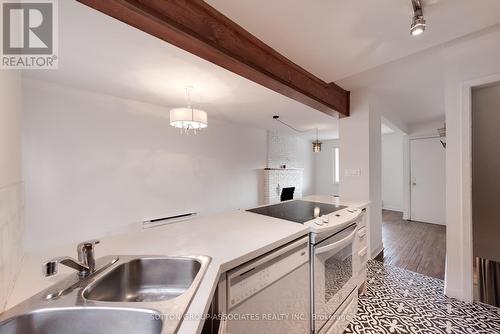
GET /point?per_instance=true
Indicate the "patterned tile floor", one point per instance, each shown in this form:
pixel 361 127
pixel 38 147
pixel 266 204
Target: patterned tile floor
pixel 399 301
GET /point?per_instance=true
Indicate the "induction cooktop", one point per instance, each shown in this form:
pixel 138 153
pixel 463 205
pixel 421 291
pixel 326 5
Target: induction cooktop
pixel 297 211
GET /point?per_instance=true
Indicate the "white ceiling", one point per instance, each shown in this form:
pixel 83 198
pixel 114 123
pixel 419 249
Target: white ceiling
pixel 360 43
pixel 331 38
pixel 410 90
pixel 110 57
pixel 335 39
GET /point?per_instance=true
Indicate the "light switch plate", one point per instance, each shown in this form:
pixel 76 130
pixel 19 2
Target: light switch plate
pixel 353 172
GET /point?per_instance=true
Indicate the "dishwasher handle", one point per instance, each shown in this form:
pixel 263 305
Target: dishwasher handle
pixel 267 258
pixel 248 280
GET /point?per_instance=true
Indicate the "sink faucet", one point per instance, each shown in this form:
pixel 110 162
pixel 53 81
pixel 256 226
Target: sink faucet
pixel 85 265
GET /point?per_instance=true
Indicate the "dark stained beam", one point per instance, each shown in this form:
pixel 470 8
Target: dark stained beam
pixel 198 28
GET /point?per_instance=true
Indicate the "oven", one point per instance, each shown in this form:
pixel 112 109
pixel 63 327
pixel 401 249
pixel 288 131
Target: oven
pixel 332 275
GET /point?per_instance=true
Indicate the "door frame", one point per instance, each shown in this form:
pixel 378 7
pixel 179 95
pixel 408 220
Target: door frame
pixel 409 169
pixel 465 174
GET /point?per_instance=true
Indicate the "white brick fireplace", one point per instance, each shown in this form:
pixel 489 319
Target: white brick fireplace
pixel 283 151
pixel 275 179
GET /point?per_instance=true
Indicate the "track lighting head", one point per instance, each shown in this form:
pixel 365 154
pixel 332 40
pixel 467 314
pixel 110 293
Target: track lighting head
pixel 418 22
pixel 417 26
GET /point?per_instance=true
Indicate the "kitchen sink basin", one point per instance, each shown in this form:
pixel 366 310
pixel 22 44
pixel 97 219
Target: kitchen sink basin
pixel 80 320
pixel 131 295
pixel 145 280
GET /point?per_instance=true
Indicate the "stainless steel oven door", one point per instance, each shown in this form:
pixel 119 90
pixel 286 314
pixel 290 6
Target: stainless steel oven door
pixel 332 271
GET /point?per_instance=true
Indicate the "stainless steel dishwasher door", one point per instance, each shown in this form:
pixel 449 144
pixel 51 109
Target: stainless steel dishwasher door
pixel 271 294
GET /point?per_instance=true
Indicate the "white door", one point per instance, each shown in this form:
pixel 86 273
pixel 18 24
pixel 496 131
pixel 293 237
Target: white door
pixel 427 176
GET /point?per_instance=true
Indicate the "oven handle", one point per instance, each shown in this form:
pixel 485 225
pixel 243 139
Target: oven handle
pixel 337 245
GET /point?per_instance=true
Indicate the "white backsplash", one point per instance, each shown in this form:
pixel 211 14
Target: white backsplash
pixel 11 234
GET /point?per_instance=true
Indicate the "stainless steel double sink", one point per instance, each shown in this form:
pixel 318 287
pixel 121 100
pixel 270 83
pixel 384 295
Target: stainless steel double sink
pixel 129 294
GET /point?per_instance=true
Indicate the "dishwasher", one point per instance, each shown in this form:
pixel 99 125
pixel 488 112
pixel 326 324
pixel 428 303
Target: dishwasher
pixel 269 294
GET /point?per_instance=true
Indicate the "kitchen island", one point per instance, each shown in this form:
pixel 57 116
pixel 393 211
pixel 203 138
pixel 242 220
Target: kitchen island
pixel 230 239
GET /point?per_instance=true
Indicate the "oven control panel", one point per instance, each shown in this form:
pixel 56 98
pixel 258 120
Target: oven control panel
pixel 334 221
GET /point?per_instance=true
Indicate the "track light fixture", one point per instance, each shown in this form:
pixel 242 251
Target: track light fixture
pixel 418 21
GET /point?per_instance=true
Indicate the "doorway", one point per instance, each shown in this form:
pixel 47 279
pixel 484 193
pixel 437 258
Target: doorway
pixel 414 240
pixel 427 180
pixel 485 193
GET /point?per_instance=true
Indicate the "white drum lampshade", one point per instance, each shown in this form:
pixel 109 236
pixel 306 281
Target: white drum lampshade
pixel 188 118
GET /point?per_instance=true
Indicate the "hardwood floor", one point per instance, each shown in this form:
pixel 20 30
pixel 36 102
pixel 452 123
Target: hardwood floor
pixel 415 246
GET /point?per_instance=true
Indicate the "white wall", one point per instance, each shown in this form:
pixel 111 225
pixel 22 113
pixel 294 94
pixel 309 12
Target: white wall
pixel 424 129
pixel 95 164
pixel 360 158
pixel 469 59
pixel 11 195
pixel 294 152
pixel 392 171
pixel 324 184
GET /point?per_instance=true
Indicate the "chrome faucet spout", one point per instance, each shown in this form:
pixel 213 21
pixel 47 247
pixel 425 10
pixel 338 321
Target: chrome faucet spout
pixel 86 253
pixel 85 265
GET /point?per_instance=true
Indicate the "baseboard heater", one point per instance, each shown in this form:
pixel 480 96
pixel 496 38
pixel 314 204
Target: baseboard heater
pixel 167 220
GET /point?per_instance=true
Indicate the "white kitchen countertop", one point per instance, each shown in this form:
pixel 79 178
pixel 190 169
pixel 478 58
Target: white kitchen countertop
pixel 230 239
pixel 330 199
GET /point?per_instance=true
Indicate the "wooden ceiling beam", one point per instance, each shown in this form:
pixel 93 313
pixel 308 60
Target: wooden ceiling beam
pixel 200 29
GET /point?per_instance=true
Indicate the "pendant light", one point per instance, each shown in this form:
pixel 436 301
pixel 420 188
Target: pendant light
pixel 188 118
pixel 316 145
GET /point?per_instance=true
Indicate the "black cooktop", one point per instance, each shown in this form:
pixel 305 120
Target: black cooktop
pixel 297 211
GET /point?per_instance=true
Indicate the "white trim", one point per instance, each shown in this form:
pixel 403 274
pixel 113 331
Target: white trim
pixel 336 161
pixel 423 221
pixel 465 189
pixel 406 178
pixel 452 293
pixel 391 208
pixel 425 137
pixel 376 251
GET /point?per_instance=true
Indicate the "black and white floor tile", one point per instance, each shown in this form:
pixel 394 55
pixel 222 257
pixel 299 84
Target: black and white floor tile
pixel 399 301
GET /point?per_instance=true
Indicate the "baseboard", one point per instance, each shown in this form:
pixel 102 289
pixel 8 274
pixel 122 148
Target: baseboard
pixel 375 252
pixel 458 294
pixel 392 208
pixel 416 220
pixel 380 256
